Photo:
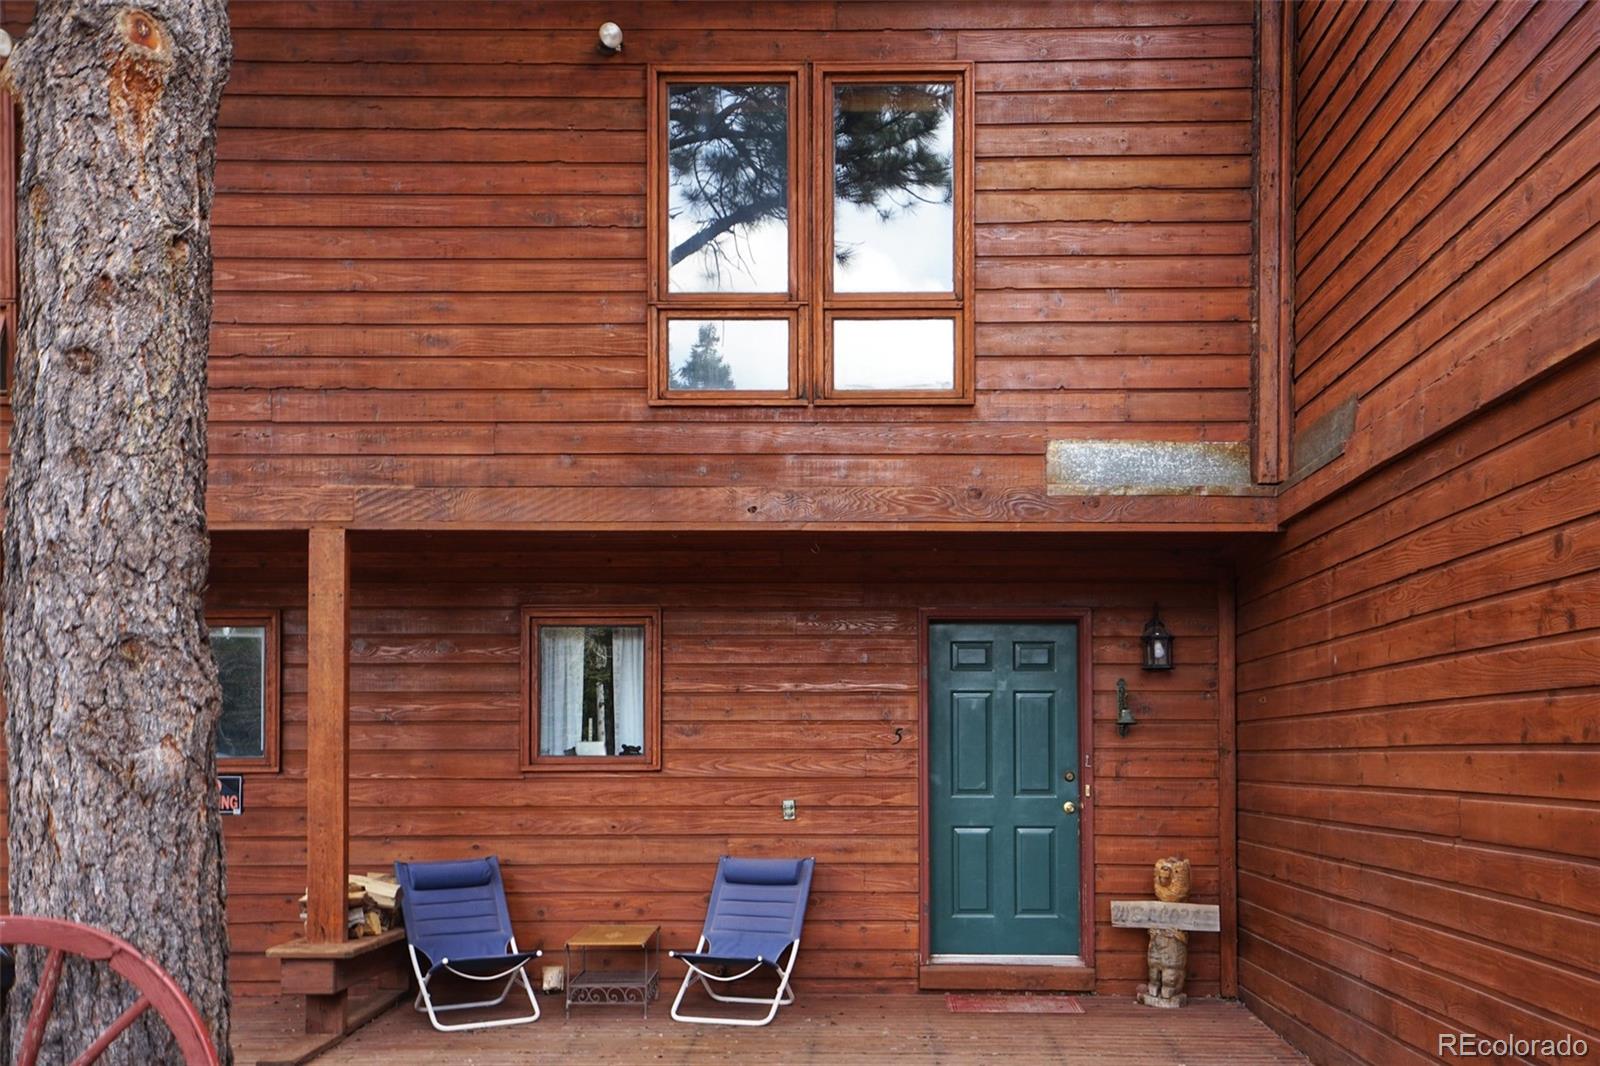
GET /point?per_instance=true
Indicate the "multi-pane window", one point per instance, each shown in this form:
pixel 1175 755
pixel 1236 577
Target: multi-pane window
pixel 592 683
pixel 245 647
pixel 810 235
pixel 892 306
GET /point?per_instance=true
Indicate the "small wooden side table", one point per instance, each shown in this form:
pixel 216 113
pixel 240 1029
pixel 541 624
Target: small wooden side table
pixel 614 987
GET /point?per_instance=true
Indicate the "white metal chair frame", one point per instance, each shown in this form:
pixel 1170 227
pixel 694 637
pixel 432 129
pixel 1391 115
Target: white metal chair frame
pixel 424 1002
pixel 783 997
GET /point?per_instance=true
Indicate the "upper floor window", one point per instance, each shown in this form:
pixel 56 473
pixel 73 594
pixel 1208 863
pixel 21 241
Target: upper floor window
pixel 810 235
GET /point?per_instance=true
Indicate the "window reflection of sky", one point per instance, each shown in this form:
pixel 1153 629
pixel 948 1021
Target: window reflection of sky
pixel 753 258
pixel 755 350
pixel 723 177
pixel 912 249
pixel 902 242
pixel 893 353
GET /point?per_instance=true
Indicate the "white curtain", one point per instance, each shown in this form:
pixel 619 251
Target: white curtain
pixel 627 673
pixel 560 689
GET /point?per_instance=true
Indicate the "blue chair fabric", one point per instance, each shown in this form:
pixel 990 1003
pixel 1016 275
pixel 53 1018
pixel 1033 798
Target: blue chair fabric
pixel 754 920
pixel 456 918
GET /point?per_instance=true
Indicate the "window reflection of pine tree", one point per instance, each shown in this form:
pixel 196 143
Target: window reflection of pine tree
pixel 727 149
pixel 705 368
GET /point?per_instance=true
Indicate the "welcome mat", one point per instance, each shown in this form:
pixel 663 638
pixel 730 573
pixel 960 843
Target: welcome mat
pixel 969 1003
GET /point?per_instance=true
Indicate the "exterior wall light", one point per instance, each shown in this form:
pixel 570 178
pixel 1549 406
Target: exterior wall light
pixel 1125 719
pixel 1157 643
pixel 610 39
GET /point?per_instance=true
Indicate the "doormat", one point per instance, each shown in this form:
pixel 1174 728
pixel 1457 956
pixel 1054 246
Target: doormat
pixel 991 1004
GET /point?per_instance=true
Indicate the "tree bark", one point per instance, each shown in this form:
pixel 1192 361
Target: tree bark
pixel 112 693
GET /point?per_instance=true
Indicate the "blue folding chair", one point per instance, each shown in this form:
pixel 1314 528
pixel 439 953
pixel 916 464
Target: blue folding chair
pixel 456 919
pixel 758 907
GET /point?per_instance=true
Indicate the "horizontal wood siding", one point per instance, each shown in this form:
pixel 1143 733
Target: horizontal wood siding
pixel 430 266
pixel 1419 755
pixel 787 673
pixel 1447 213
pixel 1418 651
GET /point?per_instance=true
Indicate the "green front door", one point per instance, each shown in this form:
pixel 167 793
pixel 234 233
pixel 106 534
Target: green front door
pixel 1002 762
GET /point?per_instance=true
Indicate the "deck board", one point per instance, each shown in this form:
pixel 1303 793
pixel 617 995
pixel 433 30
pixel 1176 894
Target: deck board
pixel 830 1029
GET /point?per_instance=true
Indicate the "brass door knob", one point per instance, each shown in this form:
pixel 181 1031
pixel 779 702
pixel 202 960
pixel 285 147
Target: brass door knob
pixel 1070 807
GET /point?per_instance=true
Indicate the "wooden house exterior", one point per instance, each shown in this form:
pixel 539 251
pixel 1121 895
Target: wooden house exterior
pixel 1417 651
pixel 1354 244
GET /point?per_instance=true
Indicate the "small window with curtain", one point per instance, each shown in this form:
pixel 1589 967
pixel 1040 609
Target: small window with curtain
pixel 245 646
pixel 592 685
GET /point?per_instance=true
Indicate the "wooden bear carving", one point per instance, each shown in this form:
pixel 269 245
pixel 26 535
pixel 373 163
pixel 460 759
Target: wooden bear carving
pixel 1168 955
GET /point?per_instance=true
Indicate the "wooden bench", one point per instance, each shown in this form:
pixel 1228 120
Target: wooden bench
pixel 325 973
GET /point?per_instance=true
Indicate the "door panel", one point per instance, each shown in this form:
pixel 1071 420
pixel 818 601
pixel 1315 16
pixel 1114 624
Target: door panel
pixel 970 755
pixel 971 873
pixel 1035 870
pixel 1003 733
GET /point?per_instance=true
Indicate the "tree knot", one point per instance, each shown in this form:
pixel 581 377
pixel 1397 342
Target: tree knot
pixel 133 650
pixel 138 74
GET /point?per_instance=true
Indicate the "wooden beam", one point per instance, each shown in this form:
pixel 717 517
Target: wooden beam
pixel 327 734
pixel 1227 786
pixel 973 977
pixel 1274 281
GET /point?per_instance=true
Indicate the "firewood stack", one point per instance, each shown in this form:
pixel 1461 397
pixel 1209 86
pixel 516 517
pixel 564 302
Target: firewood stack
pixel 372 901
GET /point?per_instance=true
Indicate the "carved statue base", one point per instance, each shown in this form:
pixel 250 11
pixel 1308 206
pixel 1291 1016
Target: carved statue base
pixel 1148 1000
pixel 1168 961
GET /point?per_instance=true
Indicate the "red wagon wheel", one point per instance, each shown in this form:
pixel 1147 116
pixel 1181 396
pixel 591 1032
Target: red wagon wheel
pixel 156 988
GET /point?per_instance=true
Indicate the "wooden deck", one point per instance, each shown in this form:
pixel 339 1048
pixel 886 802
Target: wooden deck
pixel 827 1029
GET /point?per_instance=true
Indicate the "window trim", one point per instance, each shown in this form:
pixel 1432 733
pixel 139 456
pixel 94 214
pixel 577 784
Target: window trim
pixel 773 74
pixel 661 373
pixel 958 304
pixel 829 396
pixel 664 303
pixel 271 761
pixel 535 617
pixel 810 300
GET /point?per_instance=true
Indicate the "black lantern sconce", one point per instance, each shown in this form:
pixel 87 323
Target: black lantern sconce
pixel 1125 719
pixel 1157 643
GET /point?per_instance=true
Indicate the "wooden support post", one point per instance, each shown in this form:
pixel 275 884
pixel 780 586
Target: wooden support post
pixel 1228 783
pixel 327 736
pixel 1274 258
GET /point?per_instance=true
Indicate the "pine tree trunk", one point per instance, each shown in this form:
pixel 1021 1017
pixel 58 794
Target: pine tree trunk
pixel 111 690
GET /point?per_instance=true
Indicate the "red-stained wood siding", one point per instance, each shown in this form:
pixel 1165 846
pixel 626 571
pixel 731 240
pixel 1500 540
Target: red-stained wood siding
pixel 1447 213
pixel 786 672
pixel 430 268
pixel 1418 650
pixel 1419 755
